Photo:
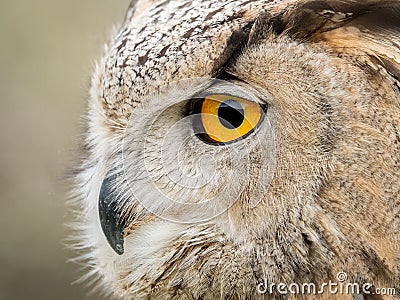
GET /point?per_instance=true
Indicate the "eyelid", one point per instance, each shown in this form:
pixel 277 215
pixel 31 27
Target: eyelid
pixel 231 89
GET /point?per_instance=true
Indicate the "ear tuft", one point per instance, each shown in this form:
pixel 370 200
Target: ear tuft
pixel 362 28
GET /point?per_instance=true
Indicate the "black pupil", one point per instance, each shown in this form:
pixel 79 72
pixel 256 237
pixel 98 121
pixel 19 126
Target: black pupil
pixel 231 114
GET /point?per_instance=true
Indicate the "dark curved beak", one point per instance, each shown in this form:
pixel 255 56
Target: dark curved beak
pixel 109 212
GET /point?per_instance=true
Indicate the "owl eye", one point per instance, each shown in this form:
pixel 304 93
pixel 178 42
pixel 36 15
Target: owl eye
pixel 225 119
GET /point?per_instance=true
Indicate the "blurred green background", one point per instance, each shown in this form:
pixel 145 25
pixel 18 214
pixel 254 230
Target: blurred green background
pixel 47 50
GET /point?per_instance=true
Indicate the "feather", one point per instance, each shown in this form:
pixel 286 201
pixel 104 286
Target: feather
pixel 359 28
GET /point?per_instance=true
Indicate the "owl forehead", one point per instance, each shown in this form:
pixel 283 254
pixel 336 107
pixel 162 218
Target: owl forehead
pixel 166 41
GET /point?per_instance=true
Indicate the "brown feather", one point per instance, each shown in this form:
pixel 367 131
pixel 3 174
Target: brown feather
pixel 357 28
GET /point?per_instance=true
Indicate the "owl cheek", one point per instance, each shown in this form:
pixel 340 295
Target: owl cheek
pixel 111 223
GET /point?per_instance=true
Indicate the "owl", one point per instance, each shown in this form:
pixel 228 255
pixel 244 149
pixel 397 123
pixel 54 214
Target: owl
pixel 245 150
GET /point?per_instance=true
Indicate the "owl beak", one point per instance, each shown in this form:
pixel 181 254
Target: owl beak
pixel 111 223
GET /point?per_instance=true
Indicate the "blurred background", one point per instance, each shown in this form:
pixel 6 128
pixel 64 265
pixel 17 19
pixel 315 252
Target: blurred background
pixel 47 50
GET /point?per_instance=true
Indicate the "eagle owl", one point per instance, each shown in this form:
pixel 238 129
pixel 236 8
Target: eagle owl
pixel 235 144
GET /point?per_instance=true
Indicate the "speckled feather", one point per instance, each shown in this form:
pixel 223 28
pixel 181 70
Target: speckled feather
pixel 168 41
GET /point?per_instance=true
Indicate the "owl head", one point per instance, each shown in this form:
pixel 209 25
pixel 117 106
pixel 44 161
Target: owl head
pixel 233 143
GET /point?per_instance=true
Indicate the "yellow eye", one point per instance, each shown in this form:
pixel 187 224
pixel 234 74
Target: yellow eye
pixel 226 118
